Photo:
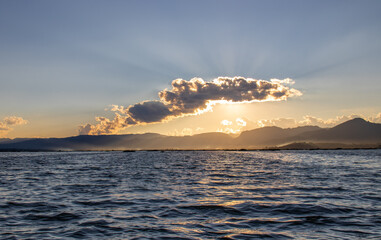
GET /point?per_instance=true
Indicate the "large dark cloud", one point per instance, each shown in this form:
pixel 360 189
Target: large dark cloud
pixel 191 97
pixel 188 96
pixel 148 112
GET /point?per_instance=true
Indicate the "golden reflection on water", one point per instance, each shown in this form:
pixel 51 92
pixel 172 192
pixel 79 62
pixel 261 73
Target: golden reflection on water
pixel 186 230
pixel 247 231
pixel 224 192
pixel 221 202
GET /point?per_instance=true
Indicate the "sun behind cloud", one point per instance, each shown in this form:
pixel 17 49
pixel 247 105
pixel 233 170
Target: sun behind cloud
pixel 192 98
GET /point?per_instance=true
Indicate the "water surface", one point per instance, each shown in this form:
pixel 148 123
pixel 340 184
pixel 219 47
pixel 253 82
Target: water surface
pixel 191 195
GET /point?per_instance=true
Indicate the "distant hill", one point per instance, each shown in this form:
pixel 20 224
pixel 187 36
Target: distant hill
pixel 270 136
pixel 299 146
pixel 8 140
pixel 355 132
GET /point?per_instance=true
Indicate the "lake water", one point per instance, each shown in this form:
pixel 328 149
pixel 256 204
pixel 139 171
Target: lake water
pixel 191 195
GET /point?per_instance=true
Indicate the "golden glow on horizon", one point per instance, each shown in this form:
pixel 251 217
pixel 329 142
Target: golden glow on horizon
pixel 192 98
pixel 253 114
pixel 9 123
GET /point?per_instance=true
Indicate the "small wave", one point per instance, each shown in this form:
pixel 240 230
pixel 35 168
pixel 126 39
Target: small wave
pixel 270 221
pixel 354 232
pixel 61 217
pixel 31 207
pixel 244 233
pixel 25 204
pixel 145 231
pixel 172 213
pixel 137 218
pixel 5 236
pixel 308 209
pixel 261 236
pixel 224 176
pixel 159 201
pixel 296 209
pixel 212 208
pixel 87 232
pixel 318 189
pixel 105 203
pixel 101 224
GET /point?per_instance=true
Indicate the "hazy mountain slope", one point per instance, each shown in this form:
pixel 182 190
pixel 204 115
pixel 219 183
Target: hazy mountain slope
pixel 356 131
pixel 8 140
pixel 353 131
pixel 121 142
pixel 267 136
pixel 84 142
pixel 201 141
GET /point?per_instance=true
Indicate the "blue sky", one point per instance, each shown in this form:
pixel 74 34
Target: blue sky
pixel 63 62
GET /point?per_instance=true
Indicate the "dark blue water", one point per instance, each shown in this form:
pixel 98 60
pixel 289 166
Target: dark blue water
pixel 191 195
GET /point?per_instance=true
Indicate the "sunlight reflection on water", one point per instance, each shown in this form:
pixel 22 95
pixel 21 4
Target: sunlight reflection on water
pixel 191 195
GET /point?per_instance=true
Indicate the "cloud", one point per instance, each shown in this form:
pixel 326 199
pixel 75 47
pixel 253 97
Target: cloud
pixel 231 127
pixel 314 121
pixel 226 122
pixel 241 122
pixel 13 120
pixel 148 112
pixel 185 132
pixel 190 98
pixel 376 119
pixel 4 127
pixel 279 122
pixel 310 120
pixel 8 122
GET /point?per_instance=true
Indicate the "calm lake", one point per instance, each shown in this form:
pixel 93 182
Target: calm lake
pixel 191 195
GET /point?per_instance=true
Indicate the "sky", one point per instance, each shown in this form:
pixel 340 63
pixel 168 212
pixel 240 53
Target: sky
pixel 65 63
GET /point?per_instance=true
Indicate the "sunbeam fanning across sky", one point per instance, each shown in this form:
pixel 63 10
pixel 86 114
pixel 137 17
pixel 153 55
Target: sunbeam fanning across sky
pixel 192 98
pixel 63 62
pixel 198 119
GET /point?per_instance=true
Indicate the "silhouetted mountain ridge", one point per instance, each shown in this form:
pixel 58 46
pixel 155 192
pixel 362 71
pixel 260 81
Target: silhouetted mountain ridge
pixel 355 131
pixel 271 135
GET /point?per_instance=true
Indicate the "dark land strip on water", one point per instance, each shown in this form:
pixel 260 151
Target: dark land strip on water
pixel 206 149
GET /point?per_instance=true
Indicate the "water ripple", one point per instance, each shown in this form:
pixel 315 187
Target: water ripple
pixel 191 195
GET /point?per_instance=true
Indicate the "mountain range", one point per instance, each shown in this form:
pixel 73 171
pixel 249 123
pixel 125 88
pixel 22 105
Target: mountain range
pixel 351 134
